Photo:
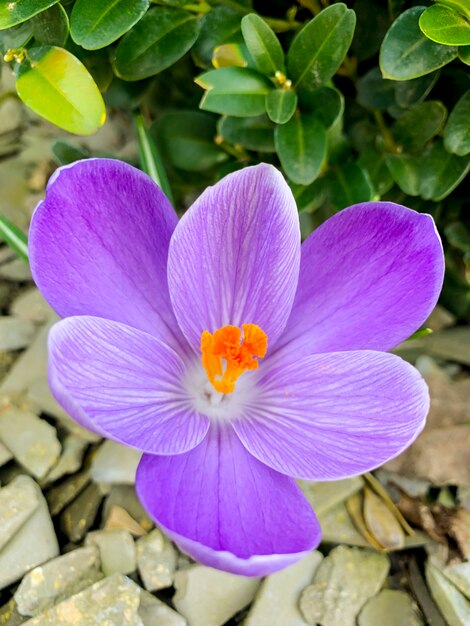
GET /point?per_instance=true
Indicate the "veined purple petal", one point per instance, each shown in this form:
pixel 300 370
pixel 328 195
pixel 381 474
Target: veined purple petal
pixel 225 508
pixel 123 384
pixel 369 277
pixel 234 256
pixel 330 416
pixel 98 245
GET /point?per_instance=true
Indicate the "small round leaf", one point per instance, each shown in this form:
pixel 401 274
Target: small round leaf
pixel 281 105
pixel 12 13
pixel 446 26
pixel 457 132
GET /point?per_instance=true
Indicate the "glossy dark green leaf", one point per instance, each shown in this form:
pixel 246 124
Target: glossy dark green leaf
pixel 15 238
pixel 65 152
pixel 310 198
pixel 373 163
pixel 150 159
pixel 420 123
pixel 326 103
pixel 13 13
pixel 189 140
pixel 375 92
pixel 320 47
pixel 464 54
pixel 234 91
pixel 159 39
pixel 15 37
pixel 412 91
pixel 51 27
pixel 281 105
pixel 444 25
pixel 252 133
pixel 97 24
pixel 441 172
pixel 407 53
pixel 57 86
pixel 100 68
pixel 301 145
pixel 457 131
pixel 405 172
pixel 263 45
pixel 219 26
pixel 459 236
pixel 347 184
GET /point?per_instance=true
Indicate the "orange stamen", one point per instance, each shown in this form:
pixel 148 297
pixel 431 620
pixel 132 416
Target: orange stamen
pixel 240 354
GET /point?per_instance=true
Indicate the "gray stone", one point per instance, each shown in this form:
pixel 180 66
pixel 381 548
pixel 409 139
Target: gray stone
pixel 209 597
pixel 58 579
pixel 337 527
pixel 117 550
pixel 113 601
pixel 70 460
pixel 16 270
pixel 119 519
pixel 453 605
pixel 9 614
pixel 125 497
pixel 325 496
pixel 390 608
pixel 277 601
pixel 33 544
pixel 153 612
pixel 79 516
pixel 343 583
pixel 115 464
pixel 5 454
pixel 59 496
pixel 156 560
pixel 15 333
pixel 18 501
pixel 32 441
pixel 30 305
pixel 459 575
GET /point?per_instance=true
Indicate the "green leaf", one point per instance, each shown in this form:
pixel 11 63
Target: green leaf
pixel 459 236
pixel 54 84
pixel 373 163
pixel 457 131
pixel 405 172
pixel 230 55
pixel 441 172
pixel 420 123
pixel 375 92
pixel 16 12
pixel 320 47
pixel 461 6
pixel 14 238
pixel 95 24
pixel 281 105
pixel 347 184
pixel 446 26
pixel 237 91
pixel 51 27
pixel 15 37
pixel 301 145
pixel 150 159
pixel 408 92
pixel 159 39
pixel 252 133
pixel 263 45
pixel 188 137
pixel 310 198
pixel 219 26
pixel 464 54
pixel 407 53
pixel 326 103
pixel 65 152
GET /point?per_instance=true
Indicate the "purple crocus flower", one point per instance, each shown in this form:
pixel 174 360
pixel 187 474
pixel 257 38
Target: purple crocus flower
pixel 232 357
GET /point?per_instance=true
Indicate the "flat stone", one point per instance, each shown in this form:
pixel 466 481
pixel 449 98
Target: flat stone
pixel 119 519
pixel 79 516
pixel 30 305
pixel 209 597
pixel 58 579
pixel 115 464
pixel 113 601
pixel 16 271
pixel 117 551
pixel 5 455
pixel 325 496
pixel 343 583
pixel 15 333
pixel 70 460
pixel 33 544
pixel 126 497
pixel 338 527
pixel 453 605
pixel 154 612
pixel 390 608
pixel 156 560
pixel 32 441
pixel 18 501
pixel 59 496
pixel 9 614
pixel 459 575
pixel 277 601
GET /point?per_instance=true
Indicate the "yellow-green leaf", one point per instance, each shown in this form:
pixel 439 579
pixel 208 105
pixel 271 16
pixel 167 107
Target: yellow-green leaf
pixel 13 13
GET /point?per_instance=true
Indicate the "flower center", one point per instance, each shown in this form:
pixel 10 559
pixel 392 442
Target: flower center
pixel 239 353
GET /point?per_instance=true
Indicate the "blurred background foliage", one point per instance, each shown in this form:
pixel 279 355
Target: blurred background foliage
pixel 354 101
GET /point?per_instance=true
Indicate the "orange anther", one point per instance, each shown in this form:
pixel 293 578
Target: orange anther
pixel 239 353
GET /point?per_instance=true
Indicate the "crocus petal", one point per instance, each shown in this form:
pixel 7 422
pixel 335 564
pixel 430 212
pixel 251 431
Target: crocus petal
pixel 225 508
pixel 331 416
pixel 234 256
pixel 369 277
pixel 98 245
pixel 123 384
